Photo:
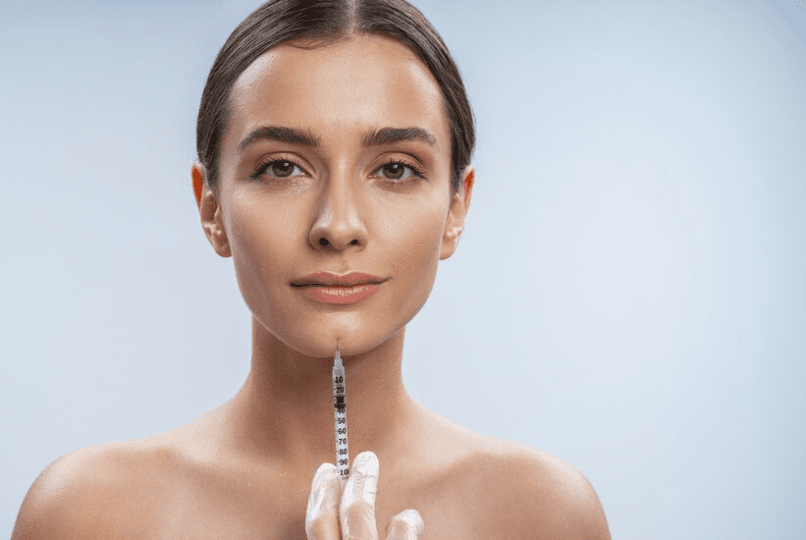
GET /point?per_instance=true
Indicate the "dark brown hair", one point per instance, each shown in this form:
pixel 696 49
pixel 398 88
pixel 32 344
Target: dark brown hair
pixel 325 22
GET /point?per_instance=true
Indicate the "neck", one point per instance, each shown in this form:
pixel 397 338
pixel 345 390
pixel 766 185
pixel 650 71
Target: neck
pixel 284 412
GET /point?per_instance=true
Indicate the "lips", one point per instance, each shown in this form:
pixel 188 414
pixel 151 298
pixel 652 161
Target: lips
pixel 329 288
pixel 329 279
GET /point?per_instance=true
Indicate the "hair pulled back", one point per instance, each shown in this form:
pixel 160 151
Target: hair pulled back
pixel 325 22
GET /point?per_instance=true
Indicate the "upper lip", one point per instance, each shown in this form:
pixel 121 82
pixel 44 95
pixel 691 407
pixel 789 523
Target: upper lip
pixel 329 279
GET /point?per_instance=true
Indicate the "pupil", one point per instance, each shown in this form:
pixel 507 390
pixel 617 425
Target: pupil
pixel 396 169
pixel 284 168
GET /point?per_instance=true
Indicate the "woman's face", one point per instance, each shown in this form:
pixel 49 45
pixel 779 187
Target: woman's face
pixel 356 179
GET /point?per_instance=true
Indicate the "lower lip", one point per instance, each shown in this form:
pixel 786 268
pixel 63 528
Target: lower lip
pixel 340 295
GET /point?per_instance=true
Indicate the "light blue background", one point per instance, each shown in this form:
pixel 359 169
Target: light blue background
pixel 630 292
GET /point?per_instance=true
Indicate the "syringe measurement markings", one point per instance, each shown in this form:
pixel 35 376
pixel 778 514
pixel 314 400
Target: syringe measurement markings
pixel 340 410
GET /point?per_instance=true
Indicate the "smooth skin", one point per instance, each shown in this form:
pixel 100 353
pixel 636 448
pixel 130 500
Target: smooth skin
pixel 285 210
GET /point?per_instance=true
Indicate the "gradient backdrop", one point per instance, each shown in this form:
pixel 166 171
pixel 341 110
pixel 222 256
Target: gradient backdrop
pixel 630 292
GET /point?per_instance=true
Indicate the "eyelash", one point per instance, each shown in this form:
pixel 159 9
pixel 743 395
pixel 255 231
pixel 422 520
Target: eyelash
pixel 265 165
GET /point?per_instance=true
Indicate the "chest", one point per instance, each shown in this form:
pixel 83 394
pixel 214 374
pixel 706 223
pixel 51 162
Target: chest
pixel 251 510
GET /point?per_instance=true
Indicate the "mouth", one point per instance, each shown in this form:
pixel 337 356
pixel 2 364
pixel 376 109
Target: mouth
pixel 329 279
pixel 339 295
pixel 329 288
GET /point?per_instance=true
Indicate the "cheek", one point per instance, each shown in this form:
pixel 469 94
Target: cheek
pixel 263 249
pixel 416 244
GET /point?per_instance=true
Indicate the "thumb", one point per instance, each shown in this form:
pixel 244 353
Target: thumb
pixel 357 508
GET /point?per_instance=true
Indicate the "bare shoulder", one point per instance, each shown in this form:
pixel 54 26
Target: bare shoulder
pixel 529 493
pixel 507 490
pixel 102 491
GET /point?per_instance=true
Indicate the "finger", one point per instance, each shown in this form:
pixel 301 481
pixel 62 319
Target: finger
pixel 407 525
pixel 322 516
pixel 357 509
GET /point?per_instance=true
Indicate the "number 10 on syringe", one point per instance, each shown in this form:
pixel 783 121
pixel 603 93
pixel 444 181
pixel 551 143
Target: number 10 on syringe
pixel 340 405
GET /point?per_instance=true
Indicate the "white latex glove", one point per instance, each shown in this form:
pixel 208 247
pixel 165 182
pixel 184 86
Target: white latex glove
pixel 333 515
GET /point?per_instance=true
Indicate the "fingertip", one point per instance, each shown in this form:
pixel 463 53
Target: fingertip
pixel 358 496
pixel 412 517
pixel 325 487
pixel 407 525
pixel 325 475
pixel 366 463
pixel 326 468
pixel 321 517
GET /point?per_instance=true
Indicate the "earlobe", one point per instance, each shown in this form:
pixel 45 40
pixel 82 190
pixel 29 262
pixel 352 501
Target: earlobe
pixel 210 213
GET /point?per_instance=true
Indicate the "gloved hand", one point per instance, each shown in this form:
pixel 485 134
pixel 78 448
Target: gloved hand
pixel 350 515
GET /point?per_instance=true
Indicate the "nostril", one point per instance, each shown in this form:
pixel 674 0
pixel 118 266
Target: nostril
pixel 323 242
pixel 354 242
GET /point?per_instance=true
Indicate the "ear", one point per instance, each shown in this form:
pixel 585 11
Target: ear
pixel 210 212
pixel 456 214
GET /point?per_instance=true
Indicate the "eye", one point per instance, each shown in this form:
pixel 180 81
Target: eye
pixel 276 168
pixel 395 171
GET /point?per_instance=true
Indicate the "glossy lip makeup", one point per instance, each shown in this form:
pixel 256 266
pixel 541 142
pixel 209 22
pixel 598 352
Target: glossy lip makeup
pixel 339 295
pixel 329 288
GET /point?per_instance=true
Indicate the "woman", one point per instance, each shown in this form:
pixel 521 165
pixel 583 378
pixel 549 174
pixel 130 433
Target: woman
pixel 334 142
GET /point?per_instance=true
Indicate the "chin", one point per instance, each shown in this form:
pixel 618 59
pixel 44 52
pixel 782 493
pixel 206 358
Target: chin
pixel 319 341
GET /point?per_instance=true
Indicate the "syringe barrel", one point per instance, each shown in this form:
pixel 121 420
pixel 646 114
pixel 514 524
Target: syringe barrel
pixel 340 412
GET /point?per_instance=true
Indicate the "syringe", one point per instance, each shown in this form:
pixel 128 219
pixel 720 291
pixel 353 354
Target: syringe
pixel 340 404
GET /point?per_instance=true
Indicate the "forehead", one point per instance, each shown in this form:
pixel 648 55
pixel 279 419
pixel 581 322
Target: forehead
pixel 354 85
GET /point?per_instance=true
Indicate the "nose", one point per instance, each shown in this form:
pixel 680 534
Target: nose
pixel 339 224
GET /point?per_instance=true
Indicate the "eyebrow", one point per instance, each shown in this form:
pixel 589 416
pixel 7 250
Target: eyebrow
pixel 389 135
pixel 386 135
pixel 281 134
